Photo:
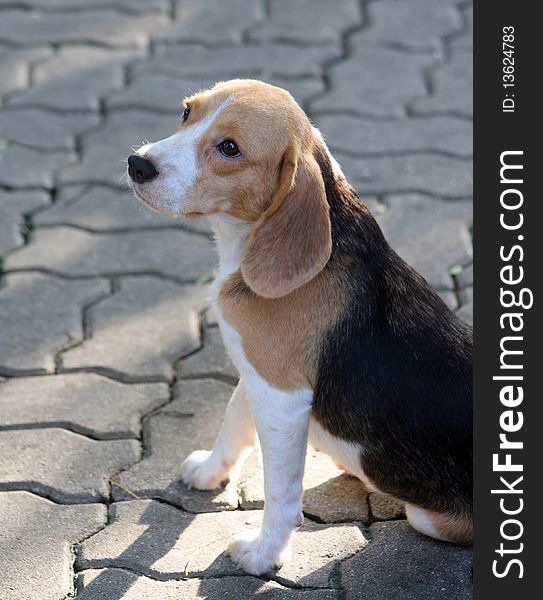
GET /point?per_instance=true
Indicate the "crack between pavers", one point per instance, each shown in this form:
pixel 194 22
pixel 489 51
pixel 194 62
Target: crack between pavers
pixel 106 275
pixel 136 228
pixel 52 493
pixel 346 52
pixel 91 434
pixel 403 153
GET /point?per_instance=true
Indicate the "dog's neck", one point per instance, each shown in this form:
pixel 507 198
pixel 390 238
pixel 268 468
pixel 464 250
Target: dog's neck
pixel 230 236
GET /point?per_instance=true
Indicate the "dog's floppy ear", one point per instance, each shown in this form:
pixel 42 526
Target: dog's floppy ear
pixel 291 241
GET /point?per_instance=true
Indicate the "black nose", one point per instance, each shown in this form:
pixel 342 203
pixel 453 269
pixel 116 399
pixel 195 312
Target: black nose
pixel 140 169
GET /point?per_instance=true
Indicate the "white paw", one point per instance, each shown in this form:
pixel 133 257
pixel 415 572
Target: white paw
pixel 251 552
pixel 199 471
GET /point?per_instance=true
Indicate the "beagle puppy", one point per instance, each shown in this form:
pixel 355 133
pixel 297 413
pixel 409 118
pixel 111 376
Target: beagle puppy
pixel 337 341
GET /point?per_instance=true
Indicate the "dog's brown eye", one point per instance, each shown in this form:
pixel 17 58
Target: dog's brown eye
pixel 229 149
pixel 186 113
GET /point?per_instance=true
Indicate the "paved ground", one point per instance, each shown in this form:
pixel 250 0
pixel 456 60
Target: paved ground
pixel 111 370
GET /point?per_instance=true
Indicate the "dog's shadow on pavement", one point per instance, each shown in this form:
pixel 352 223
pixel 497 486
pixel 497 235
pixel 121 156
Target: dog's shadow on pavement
pixel 150 541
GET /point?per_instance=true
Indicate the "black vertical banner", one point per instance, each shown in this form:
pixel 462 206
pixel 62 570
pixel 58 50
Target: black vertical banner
pixel 508 251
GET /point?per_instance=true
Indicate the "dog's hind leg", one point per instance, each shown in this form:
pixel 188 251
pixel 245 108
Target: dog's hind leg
pixel 447 527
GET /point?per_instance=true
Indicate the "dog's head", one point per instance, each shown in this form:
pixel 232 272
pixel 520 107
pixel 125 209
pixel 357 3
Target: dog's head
pixel 246 149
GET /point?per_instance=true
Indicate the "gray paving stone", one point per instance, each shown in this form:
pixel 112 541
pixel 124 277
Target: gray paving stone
pixel 97 584
pixel 465 312
pixel 384 507
pixel 309 21
pixel 35 539
pixel 39 316
pixel 429 234
pixel 101 26
pixel 85 402
pixel 449 297
pixel 13 207
pixel 401 563
pixel 44 130
pixel 191 422
pixel 175 253
pixel 258 61
pixel 212 23
pixel 160 541
pixel 166 92
pixel 329 494
pixel 100 208
pixel 76 78
pixel 139 331
pixel 65 466
pixel 464 41
pixel 388 81
pixel 366 137
pixel 105 151
pixel 426 172
pixel 452 83
pixel 212 360
pixel 131 5
pixel 211 317
pixel 21 166
pixel 465 276
pixel 417 24
pixel 14 67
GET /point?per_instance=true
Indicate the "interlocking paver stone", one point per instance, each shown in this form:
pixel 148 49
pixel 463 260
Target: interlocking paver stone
pixel 211 360
pixel 453 88
pixel 85 402
pixel 429 234
pixel 309 21
pixel 44 131
pixel 401 563
pixel 65 466
pixel 189 423
pixel 166 92
pixel 21 166
pixel 96 584
pixel 389 80
pixel 329 494
pixel 161 541
pixel 465 312
pixel 384 507
pixel 174 253
pixel 13 207
pixel 76 78
pixel 39 316
pixel 364 136
pixel 212 23
pixel 418 24
pixel 260 60
pixel 144 327
pixel 14 67
pixel 425 172
pixel 132 5
pixel 101 208
pixel 101 26
pixel 35 539
pixel 464 41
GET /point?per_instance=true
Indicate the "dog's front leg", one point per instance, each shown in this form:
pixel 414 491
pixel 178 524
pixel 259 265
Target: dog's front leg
pixel 206 470
pixel 282 420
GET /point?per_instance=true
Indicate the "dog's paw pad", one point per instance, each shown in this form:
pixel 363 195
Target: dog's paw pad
pixel 256 557
pixel 199 471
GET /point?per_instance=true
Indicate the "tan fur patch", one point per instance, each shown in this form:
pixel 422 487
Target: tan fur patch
pixel 454 528
pixel 281 337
